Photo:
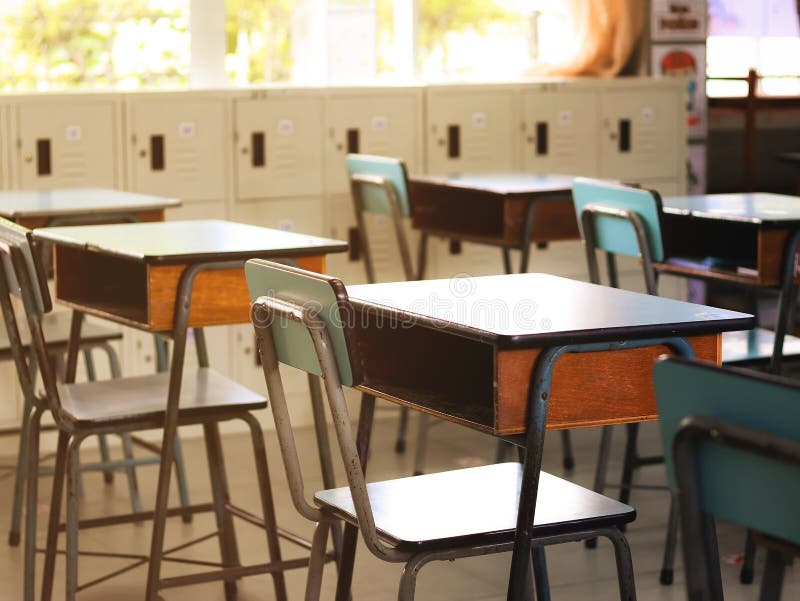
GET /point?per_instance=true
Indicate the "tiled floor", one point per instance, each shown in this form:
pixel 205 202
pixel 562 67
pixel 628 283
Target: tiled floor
pixel 575 572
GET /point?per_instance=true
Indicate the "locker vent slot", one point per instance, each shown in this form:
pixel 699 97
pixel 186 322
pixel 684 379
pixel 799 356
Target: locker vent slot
pixel 624 135
pixel 541 137
pixel 259 154
pixel 44 163
pixel 352 141
pixel 157 153
pixel 453 141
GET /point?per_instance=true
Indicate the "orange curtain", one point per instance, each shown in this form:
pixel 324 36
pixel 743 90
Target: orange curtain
pixel 607 32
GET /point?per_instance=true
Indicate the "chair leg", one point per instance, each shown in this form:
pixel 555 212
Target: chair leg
pixel 748 565
pixel 540 578
pixel 622 552
pixel 267 504
pixel 73 475
pixel 59 473
pixel 31 499
pixel 628 466
pixel 133 484
pixel 20 475
pixel 402 428
pixel 316 561
pixel 566 445
pixel 221 497
pixel 601 470
pixel 772 585
pixel 421 451
pixel 105 457
pixel 180 477
pixel 667 566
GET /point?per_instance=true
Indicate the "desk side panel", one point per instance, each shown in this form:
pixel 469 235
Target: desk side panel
pixel 32 222
pixel 554 219
pixel 590 389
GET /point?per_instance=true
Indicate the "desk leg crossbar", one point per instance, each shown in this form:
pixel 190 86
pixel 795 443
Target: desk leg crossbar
pixel 538 404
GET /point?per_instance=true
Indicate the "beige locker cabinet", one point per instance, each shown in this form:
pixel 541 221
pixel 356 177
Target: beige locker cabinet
pixel 198 209
pixel 559 129
pixel 665 187
pixel 178 145
pixel 642 130
pixel 301 215
pixel 471 128
pixel 278 149
pixel 67 141
pixel 377 121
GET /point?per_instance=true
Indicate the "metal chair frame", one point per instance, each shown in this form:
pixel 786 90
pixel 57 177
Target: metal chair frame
pixel 266 310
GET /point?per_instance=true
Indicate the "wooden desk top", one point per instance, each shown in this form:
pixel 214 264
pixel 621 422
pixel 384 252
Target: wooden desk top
pixel 758 207
pixel 189 241
pixel 506 184
pixel 17 204
pixel 539 310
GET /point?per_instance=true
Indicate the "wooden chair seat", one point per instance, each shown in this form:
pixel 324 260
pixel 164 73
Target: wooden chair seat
pixel 475 502
pixel 139 399
pixel 755 346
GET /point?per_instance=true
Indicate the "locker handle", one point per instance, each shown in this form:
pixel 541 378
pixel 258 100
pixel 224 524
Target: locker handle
pixel 354 244
pixel 453 141
pixel 624 139
pixel 157 153
pixel 352 140
pixel 259 154
pixel 44 159
pixel 541 137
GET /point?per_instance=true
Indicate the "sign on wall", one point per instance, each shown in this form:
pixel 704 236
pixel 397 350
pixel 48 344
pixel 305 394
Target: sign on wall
pixel 678 20
pixel 689 61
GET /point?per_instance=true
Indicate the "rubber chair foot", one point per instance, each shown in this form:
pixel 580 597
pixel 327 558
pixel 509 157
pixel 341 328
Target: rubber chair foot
pixel 746 575
pixel 108 478
pixel 590 543
pixel 400 447
pixel 666 577
pixel 186 518
pixel 569 463
pixel 13 539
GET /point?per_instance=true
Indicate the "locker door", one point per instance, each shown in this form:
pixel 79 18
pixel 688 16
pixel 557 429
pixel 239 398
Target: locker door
pixel 640 133
pixel 302 215
pixel 469 131
pixel 279 147
pixel 66 143
pixel 560 129
pixel 178 148
pixel 382 125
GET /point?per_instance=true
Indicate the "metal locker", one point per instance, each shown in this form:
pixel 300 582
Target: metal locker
pixel 178 146
pixel 278 145
pixel 560 129
pixel 471 130
pixel 67 141
pixel 642 131
pixel 382 123
pixel 301 215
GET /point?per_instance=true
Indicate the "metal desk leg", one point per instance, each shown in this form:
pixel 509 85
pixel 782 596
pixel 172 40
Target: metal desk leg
pixel 422 255
pixel 324 450
pixel 350 538
pixel 785 301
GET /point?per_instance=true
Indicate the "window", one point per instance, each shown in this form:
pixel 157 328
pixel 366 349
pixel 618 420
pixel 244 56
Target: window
pixel 761 35
pixel 54 44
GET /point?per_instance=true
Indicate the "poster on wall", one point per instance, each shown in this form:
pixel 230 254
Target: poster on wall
pixel 678 20
pixel 689 61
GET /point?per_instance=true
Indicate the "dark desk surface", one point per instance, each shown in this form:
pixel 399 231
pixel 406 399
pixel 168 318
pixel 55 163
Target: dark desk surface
pixel 507 184
pixel 16 204
pixel 789 157
pixel 538 310
pixel 182 241
pixel 758 207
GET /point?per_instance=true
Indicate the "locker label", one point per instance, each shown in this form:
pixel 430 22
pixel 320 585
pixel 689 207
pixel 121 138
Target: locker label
pixel 647 113
pixel 286 127
pixel 479 120
pixel 380 123
pixel 187 129
pixel 564 118
pixel 72 133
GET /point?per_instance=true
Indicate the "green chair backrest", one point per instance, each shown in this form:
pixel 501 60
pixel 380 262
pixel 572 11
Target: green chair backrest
pixel 392 170
pixel 325 296
pixel 616 235
pixel 735 485
pixel 16 235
